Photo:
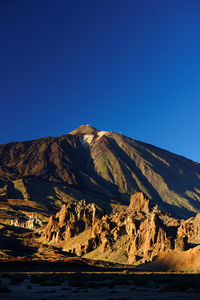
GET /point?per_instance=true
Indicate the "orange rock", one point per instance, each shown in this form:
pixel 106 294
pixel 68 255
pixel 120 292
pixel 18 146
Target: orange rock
pixel 149 232
pixel 139 203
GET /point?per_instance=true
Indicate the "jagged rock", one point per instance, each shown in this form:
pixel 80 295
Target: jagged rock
pixel 71 220
pixel 139 202
pixel 181 243
pixel 130 226
pixel 149 240
pixel 51 229
pixel 101 232
pixel 191 229
pixel 146 230
pixel 31 222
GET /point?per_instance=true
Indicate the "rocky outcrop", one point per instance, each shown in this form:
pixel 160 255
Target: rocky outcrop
pixel 181 243
pixel 149 240
pixel 31 222
pixel 191 229
pixel 139 202
pixel 70 221
pixel 80 229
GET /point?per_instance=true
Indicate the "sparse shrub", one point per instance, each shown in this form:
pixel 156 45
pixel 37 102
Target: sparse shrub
pixel 65 289
pixel 75 291
pixel 37 278
pixel 46 291
pixel 29 286
pixel 94 285
pixel 76 282
pixel 18 278
pixel 49 283
pixel 4 289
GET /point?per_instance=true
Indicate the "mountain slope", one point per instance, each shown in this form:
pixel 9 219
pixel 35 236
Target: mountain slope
pixel 102 167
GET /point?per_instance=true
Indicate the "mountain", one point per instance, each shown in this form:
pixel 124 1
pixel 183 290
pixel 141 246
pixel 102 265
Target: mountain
pixel 37 177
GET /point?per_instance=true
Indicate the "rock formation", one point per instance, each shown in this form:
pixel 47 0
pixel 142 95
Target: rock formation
pixel 80 229
pixel 31 222
pixel 190 228
pixel 149 240
pixel 139 202
pixel 70 221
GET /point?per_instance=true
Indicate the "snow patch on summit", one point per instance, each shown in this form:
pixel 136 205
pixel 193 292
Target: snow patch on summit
pixel 87 139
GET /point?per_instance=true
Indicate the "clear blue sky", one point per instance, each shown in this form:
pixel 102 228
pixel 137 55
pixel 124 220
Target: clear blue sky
pixel 127 66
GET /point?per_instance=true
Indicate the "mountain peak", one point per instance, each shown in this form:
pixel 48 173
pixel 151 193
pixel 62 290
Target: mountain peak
pixel 84 129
